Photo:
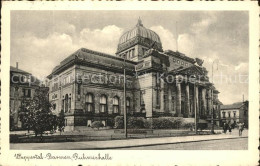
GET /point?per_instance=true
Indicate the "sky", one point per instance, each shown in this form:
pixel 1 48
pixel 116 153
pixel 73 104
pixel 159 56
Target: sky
pixel 41 39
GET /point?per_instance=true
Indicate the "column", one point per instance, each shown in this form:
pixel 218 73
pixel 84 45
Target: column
pixel 194 99
pixel 178 104
pixel 187 110
pixel 170 98
pixel 204 104
pixel 209 102
pixel 162 97
pixel 197 99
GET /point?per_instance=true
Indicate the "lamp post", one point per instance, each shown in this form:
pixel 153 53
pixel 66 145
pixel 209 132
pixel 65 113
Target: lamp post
pixel 195 109
pixel 125 118
pixel 212 109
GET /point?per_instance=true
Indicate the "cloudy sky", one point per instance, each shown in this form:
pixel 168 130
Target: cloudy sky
pixel 41 39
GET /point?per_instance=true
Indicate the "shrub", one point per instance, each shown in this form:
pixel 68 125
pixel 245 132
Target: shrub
pixel 111 122
pixel 119 122
pixel 202 126
pixel 188 125
pixel 97 124
pixel 166 123
pixel 135 122
pixel 148 123
pixel 177 122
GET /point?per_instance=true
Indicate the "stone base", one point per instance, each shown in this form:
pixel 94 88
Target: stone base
pixel 69 128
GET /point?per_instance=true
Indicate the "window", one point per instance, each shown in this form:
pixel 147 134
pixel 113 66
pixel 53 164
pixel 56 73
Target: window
pixel 115 104
pixel 224 114
pixel 103 103
pixel 142 98
pixel 178 61
pixel 157 97
pixel 174 60
pixel 229 114
pixel 55 86
pixel 234 113
pixel 182 63
pixel 89 102
pixel 27 92
pixel 66 105
pixel 54 106
pixel 133 53
pixel 127 105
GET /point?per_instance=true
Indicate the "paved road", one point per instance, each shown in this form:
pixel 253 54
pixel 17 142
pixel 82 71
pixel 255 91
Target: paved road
pixel 225 144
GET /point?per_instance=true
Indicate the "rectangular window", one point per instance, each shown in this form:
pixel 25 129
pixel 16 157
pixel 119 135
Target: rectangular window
pixel 142 98
pixel 133 53
pixel 27 92
pixel 89 103
pixel 103 104
pixel 127 105
pixel 223 114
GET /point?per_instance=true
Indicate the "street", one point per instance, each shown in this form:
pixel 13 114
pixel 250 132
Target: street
pixel 211 142
pixel 225 144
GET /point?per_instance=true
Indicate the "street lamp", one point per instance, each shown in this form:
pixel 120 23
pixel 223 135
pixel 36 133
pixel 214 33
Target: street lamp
pixel 125 118
pixel 212 109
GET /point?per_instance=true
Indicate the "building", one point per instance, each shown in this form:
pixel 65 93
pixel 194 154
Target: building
pixel 235 113
pixel 88 85
pixel 22 88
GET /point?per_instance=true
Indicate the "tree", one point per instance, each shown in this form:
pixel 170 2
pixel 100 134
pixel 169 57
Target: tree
pixel 36 114
pixel 61 121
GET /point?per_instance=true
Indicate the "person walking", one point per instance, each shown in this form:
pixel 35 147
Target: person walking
pixel 229 128
pixel 240 128
pixel 224 128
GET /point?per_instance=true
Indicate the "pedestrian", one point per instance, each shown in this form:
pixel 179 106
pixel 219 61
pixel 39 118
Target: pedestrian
pixel 229 128
pixel 240 128
pixel 224 128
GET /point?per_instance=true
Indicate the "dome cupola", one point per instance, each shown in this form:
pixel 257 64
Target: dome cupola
pixel 136 41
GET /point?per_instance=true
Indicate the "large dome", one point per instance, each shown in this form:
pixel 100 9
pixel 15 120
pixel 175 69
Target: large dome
pixel 139 30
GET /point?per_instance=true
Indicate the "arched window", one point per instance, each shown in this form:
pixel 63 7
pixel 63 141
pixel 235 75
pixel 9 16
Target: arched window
pixel 127 105
pixel 115 104
pixel 89 102
pixel 103 104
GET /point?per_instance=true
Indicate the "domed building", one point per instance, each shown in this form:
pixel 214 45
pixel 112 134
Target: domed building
pixel 135 42
pixel 88 85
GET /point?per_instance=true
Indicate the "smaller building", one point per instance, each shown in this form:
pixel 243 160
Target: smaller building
pixel 234 113
pixel 22 88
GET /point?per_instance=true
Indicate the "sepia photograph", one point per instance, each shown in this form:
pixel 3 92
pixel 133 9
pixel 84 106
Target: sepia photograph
pixel 128 80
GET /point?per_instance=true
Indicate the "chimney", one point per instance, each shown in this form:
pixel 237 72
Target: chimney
pixel 16 65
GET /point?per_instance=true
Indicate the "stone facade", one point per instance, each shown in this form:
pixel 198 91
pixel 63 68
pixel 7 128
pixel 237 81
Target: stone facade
pixel 234 113
pixel 22 88
pixel 88 85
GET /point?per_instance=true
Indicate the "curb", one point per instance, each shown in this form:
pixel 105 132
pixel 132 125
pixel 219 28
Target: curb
pixel 155 144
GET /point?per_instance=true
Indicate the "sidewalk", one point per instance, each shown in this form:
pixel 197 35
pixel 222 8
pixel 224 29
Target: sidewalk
pixel 113 144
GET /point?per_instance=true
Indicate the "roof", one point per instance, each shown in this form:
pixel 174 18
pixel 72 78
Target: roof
pixel 232 106
pixel 179 55
pixel 84 55
pixel 139 30
pixel 14 69
pixel 33 80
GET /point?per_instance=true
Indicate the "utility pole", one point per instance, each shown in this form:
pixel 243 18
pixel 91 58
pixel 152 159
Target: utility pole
pixel 125 118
